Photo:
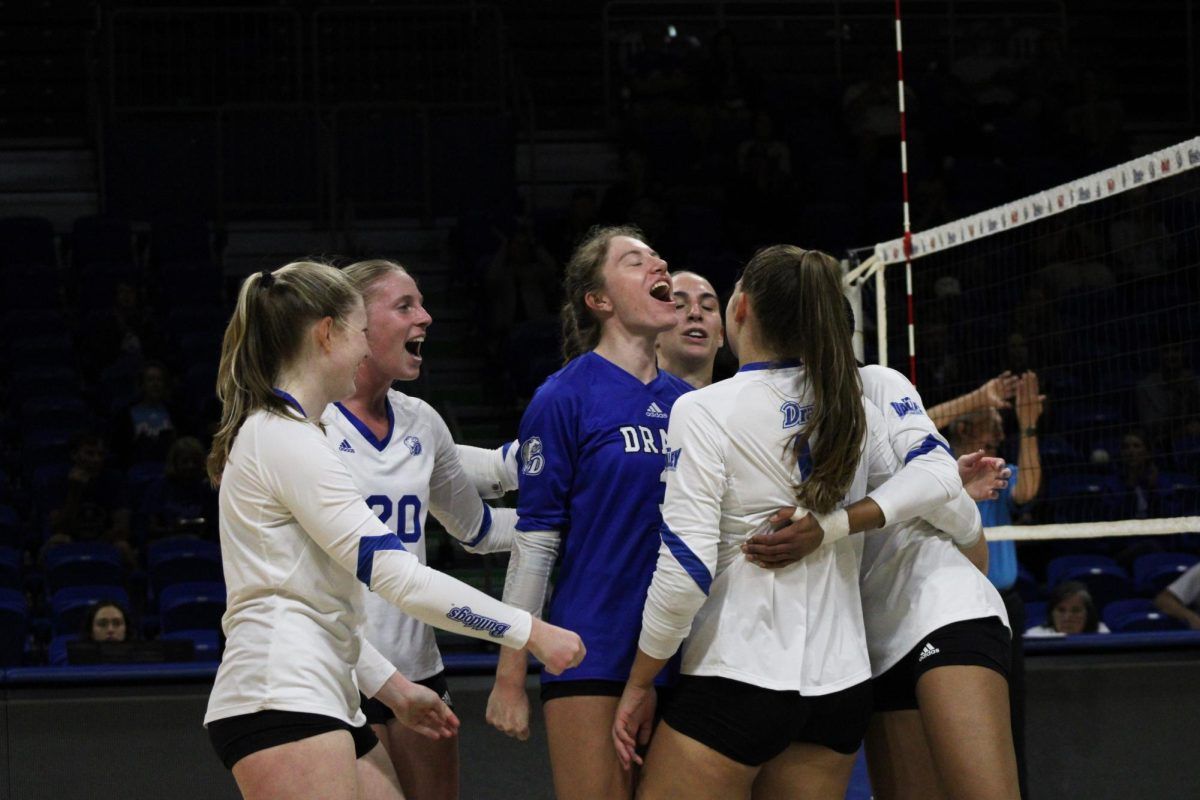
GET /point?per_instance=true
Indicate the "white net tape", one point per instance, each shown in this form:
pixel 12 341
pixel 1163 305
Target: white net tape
pixel 1093 530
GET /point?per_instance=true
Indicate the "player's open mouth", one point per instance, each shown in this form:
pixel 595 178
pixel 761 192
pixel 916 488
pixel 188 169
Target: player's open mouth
pixel 697 334
pixel 661 291
pixel 413 346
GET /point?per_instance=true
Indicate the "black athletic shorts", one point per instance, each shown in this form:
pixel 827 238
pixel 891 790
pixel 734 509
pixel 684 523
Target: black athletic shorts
pixel 983 642
pixel 588 688
pixel 378 713
pixel 234 738
pixel 752 725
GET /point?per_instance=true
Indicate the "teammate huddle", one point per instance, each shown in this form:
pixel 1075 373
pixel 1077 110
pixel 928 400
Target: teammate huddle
pixel 774 653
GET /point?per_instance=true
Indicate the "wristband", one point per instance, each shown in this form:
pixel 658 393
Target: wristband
pixel 1031 431
pixel 835 524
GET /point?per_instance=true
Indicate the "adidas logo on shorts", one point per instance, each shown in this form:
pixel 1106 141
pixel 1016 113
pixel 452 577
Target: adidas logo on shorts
pixel 345 447
pixel 655 411
pixel 927 651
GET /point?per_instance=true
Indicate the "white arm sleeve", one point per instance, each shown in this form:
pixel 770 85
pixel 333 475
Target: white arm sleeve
pixel 915 441
pixel 455 501
pixel 372 669
pixel 493 472
pixel 529 568
pixel 307 476
pixel 687 557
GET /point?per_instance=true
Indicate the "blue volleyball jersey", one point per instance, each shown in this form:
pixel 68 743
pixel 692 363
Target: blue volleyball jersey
pixel 593 444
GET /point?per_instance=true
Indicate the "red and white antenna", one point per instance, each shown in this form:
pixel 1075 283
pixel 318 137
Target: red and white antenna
pixel 908 282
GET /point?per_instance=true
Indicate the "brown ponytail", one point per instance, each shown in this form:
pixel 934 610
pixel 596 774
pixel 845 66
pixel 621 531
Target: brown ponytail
pixel 797 298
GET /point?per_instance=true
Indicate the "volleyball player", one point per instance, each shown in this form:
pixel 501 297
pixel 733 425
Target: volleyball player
pixel 776 667
pixel 689 349
pixel 592 445
pixel 937 630
pixel 295 534
pixel 405 464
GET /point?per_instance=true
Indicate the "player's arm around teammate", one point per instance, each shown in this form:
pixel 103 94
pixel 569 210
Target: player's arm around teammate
pixel 296 536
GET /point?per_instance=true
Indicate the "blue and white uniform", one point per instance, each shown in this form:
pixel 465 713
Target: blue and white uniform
pixel 297 543
pixel 914 578
pixel 412 470
pixel 797 628
pixel 592 447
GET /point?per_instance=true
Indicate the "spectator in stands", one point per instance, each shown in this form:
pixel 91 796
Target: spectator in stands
pixel 1181 599
pixel 145 429
pixel 93 505
pixel 521 283
pixel 106 621
pixel 1168 399
pixel 582 213
pixel 1070 610
pixel 729 84
pixel 127 330
pixel 1138 489
pixel 1139 240
pixel 182 502
pixel 984 429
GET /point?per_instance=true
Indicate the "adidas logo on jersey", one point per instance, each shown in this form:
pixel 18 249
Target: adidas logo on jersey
pixel 655 411
pixel 345 447
pixel 927 651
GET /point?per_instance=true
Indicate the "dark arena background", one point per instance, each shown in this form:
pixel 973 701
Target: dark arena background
pixel 153 154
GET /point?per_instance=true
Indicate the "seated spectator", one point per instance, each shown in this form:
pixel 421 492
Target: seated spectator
pixel 92 505
pixel 1069 611
pixel 522 283
pixel 127 330
pixel 1168 399
pixel 1138 489
pixel 145 429
pixel 182 502
pixel 1181 599
pixel 106 621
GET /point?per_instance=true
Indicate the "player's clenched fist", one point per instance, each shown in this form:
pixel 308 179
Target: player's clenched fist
pixel 557 648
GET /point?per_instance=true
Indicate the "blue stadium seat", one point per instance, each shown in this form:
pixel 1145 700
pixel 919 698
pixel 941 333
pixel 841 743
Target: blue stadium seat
pixel 1035 614
pixel 27 240
pixel 1153 571
pixel 12 532
pixel 191 606
pixel 98 239
pixel 1056 451
pixel 1106 581
pixel 1026 585
pixel 1075 497
pixel 181 560
pixel 207 642
pixel 10 568
pixel 69 606
pixel 139 477
pixel 57 651
pixel 33 381
pixel 83 564
pixel 14 622
pixel 1138 614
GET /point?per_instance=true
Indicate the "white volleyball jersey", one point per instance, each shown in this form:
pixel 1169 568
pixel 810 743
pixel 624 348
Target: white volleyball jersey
pixel 914 579
pixel 412 470
pixel 797 628
pixel 296 541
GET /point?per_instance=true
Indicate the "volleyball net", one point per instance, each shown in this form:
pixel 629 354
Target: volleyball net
pixel 1093 285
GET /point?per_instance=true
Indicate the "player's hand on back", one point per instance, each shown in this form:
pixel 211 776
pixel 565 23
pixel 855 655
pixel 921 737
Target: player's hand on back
pixel 557 648
pixel 984 477
pixel 779 541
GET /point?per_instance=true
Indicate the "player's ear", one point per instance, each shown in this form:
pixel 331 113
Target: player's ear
pixel 598 301
pixel 740 309
pixel 323 334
